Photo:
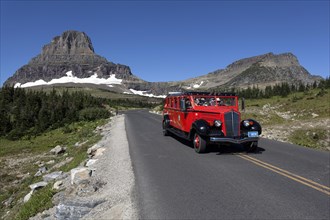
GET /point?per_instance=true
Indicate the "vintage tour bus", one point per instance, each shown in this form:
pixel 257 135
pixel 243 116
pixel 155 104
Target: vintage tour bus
pixel 205 118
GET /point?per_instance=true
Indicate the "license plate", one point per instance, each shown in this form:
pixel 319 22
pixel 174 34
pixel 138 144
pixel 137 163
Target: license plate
pixel 253 134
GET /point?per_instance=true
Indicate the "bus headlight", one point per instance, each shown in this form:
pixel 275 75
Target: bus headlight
pixel 246 123
pixel 217 123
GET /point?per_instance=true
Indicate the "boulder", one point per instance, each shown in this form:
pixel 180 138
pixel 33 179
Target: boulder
pixel 52 176
pixel 50 162
pixel 27 197
pixel 57 184
pixel 75 209
pixel 95 151
pixel 80 175
pixel 92 149
pixel 90 162
pixel 38 185
pixel 41 171
pixel 58 150
pixel 99 152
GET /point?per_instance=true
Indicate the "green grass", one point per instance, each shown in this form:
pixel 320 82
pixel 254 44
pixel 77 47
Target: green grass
pixel 68 135
pixel 312 138
pixel 303 108
pixel 40 200
pixel 303 104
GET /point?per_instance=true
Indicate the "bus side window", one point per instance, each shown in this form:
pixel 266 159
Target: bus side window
pixel 188 103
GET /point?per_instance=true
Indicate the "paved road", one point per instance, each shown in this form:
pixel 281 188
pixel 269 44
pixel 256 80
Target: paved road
pixel 283 181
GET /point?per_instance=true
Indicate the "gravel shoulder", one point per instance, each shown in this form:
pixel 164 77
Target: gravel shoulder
pixel 109 192
pixel 114 168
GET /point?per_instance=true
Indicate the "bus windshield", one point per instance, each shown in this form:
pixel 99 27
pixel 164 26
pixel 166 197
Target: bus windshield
pixel 214 101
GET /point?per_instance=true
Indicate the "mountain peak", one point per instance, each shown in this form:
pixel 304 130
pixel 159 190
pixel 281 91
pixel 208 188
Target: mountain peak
pixel 71 52
pixel 74 44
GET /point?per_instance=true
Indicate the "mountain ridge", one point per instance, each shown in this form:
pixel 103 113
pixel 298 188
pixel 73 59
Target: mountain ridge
pixel 73 51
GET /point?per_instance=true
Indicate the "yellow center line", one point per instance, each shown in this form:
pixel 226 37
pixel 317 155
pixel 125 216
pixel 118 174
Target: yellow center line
pixel 287 174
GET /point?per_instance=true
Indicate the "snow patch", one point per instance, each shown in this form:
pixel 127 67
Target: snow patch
pixel 69 74
pixel 195 86
pixel 70 78
pixel 198 85
pixel 143 93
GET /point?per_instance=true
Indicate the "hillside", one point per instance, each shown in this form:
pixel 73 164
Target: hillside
pixel 301 118
pixel 262 70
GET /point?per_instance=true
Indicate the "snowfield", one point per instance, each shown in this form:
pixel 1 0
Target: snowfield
pixel 93 79
pixel 70 78
pixel 143 93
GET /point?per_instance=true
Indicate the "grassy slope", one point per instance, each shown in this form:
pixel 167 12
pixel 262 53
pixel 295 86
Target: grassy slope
pixel 303 117
pixel 18 162
pixel 101 93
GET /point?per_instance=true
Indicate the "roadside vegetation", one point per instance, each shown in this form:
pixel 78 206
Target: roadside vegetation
pixel 35 121
pixel 20 160
pixel 301 116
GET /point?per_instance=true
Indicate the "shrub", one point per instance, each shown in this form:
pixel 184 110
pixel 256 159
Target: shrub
pixel 90 114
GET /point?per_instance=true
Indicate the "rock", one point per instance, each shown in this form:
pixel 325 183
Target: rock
pixel 99 152
pixel 314 115
pixel 38 185
pixel 74 209
pixel 41 165
pixel 8 202
pixel 58 150
pixel 28 196
pixel 57 184
pixel 90 162
pixel 41 171
pixel 38 173
pixel 80 174
pixel 52 176
pixel 50 162
pixel 93 149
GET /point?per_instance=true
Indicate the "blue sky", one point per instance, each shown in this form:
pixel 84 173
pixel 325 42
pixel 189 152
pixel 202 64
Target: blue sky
pixel 170 40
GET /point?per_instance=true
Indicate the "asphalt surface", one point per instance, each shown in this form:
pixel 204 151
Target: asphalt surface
pixel 174 182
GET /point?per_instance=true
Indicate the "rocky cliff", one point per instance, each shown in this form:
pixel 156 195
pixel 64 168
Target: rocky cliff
pixel 72 51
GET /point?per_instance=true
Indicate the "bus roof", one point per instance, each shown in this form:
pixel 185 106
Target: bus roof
pixel 202 93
